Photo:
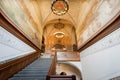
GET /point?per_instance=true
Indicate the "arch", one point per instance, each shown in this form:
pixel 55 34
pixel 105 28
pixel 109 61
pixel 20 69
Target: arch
pixel 64 21
pixel 66 68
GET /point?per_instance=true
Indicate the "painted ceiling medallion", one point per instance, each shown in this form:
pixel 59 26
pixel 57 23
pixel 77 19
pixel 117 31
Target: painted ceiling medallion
pixel 59 7
pixel 59 25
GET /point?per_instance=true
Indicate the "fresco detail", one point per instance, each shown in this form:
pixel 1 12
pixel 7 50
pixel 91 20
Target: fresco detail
pixel 17 13
pixel 104 12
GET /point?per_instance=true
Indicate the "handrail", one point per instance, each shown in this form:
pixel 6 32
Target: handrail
pixel 61 77
pixel 53 65
pixel 10 68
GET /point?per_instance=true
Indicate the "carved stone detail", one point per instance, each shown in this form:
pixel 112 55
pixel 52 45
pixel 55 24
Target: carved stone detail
pixel 108 41
pixel 10 40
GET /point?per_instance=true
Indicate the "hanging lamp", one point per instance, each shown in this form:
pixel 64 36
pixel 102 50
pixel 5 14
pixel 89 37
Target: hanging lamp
pixel 60 7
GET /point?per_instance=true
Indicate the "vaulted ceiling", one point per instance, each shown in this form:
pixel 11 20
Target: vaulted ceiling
pixel 84 20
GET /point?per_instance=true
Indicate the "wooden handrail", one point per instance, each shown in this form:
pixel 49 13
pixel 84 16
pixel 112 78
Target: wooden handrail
pixel 61 77
pixel 51 74
pixel 109 29
pixel 53 65
pixel 11 27
pixel 10 68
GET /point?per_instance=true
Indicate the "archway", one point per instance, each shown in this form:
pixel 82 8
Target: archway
pixel 68 69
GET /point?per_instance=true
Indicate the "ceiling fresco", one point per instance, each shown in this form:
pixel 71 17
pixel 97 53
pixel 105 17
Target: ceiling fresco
pixel 98 19
pixel 59 32
pixel 35 19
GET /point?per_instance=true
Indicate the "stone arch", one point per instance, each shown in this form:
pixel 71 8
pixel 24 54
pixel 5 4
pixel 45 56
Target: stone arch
pixel 69 69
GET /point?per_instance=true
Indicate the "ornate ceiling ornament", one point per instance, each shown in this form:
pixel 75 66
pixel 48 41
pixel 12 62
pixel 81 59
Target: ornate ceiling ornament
pixel 59 7
pixel 59 25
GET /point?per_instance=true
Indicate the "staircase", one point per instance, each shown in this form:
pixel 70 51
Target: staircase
pixel 35 71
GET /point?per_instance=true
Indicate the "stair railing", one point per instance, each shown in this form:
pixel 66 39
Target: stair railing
pixel 61 77
pixel 53 65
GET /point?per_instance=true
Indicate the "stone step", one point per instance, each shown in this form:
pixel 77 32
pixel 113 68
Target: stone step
pixel 29 75
pixel 35 71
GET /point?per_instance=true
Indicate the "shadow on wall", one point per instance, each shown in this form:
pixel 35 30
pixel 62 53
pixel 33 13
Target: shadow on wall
pixel 68 69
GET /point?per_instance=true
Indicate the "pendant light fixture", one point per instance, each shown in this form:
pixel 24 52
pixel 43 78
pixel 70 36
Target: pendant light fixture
pixel 59 7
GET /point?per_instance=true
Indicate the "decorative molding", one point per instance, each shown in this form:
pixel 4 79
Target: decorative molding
pixel 8 39
pixel 68 56
pixel 101 34
pixel 10 27
pixel 111 40
pixel 12 18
